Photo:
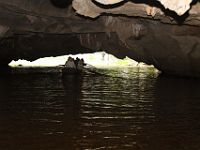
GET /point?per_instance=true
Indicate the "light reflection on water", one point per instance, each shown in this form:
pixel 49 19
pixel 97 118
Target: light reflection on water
pixel 133 109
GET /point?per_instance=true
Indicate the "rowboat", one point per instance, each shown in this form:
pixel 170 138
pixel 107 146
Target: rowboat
pixel 71 71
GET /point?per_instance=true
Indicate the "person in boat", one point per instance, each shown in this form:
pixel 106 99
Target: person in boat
pixel 80 65
pixel 70 63
pixel 76 61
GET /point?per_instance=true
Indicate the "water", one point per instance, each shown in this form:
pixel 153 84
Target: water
pixel 125 109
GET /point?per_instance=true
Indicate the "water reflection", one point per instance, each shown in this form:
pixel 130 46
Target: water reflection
pixel 177 110
pixel 133 109
pixel 72 85
pixel 31 112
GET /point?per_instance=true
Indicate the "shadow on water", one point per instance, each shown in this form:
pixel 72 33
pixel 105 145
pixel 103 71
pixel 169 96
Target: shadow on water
pixel 136 111
pixel 38 111
pixel 176 108
pixel 30 112
pixel 72 86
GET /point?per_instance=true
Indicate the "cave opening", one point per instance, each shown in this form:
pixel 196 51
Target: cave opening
pixel 98 62
pixel 96 59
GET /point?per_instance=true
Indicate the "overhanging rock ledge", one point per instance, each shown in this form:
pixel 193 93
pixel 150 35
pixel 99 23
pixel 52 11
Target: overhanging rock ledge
pixel 155 33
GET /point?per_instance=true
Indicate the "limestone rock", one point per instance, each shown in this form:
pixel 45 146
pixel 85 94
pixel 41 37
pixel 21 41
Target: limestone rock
pixel 108 2
pixel 179 6
pixel 146 33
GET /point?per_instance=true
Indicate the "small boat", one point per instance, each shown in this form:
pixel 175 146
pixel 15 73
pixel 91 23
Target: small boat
pixel 71 71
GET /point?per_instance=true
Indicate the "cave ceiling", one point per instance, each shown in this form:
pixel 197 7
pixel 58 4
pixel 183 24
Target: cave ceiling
pixel 163 33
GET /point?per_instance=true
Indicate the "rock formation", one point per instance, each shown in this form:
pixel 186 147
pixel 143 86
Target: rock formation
pixel 144 31
pixel 179 6
pixel 108 2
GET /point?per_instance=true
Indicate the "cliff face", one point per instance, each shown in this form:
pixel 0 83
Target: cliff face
pixel 145 32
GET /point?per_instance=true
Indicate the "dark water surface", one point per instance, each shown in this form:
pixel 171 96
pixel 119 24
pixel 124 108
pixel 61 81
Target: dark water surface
pixel 134 109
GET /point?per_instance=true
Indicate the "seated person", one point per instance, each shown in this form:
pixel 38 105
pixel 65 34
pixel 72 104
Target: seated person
pixel 80 64
pixel 70 63
pixel 76 61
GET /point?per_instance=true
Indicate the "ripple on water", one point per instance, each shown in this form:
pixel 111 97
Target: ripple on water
pixel 125 109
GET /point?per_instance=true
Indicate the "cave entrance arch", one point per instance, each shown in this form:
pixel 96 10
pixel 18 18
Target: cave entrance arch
pixel 96 59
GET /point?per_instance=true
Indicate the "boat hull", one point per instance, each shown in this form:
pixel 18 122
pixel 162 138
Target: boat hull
pixel 71 71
